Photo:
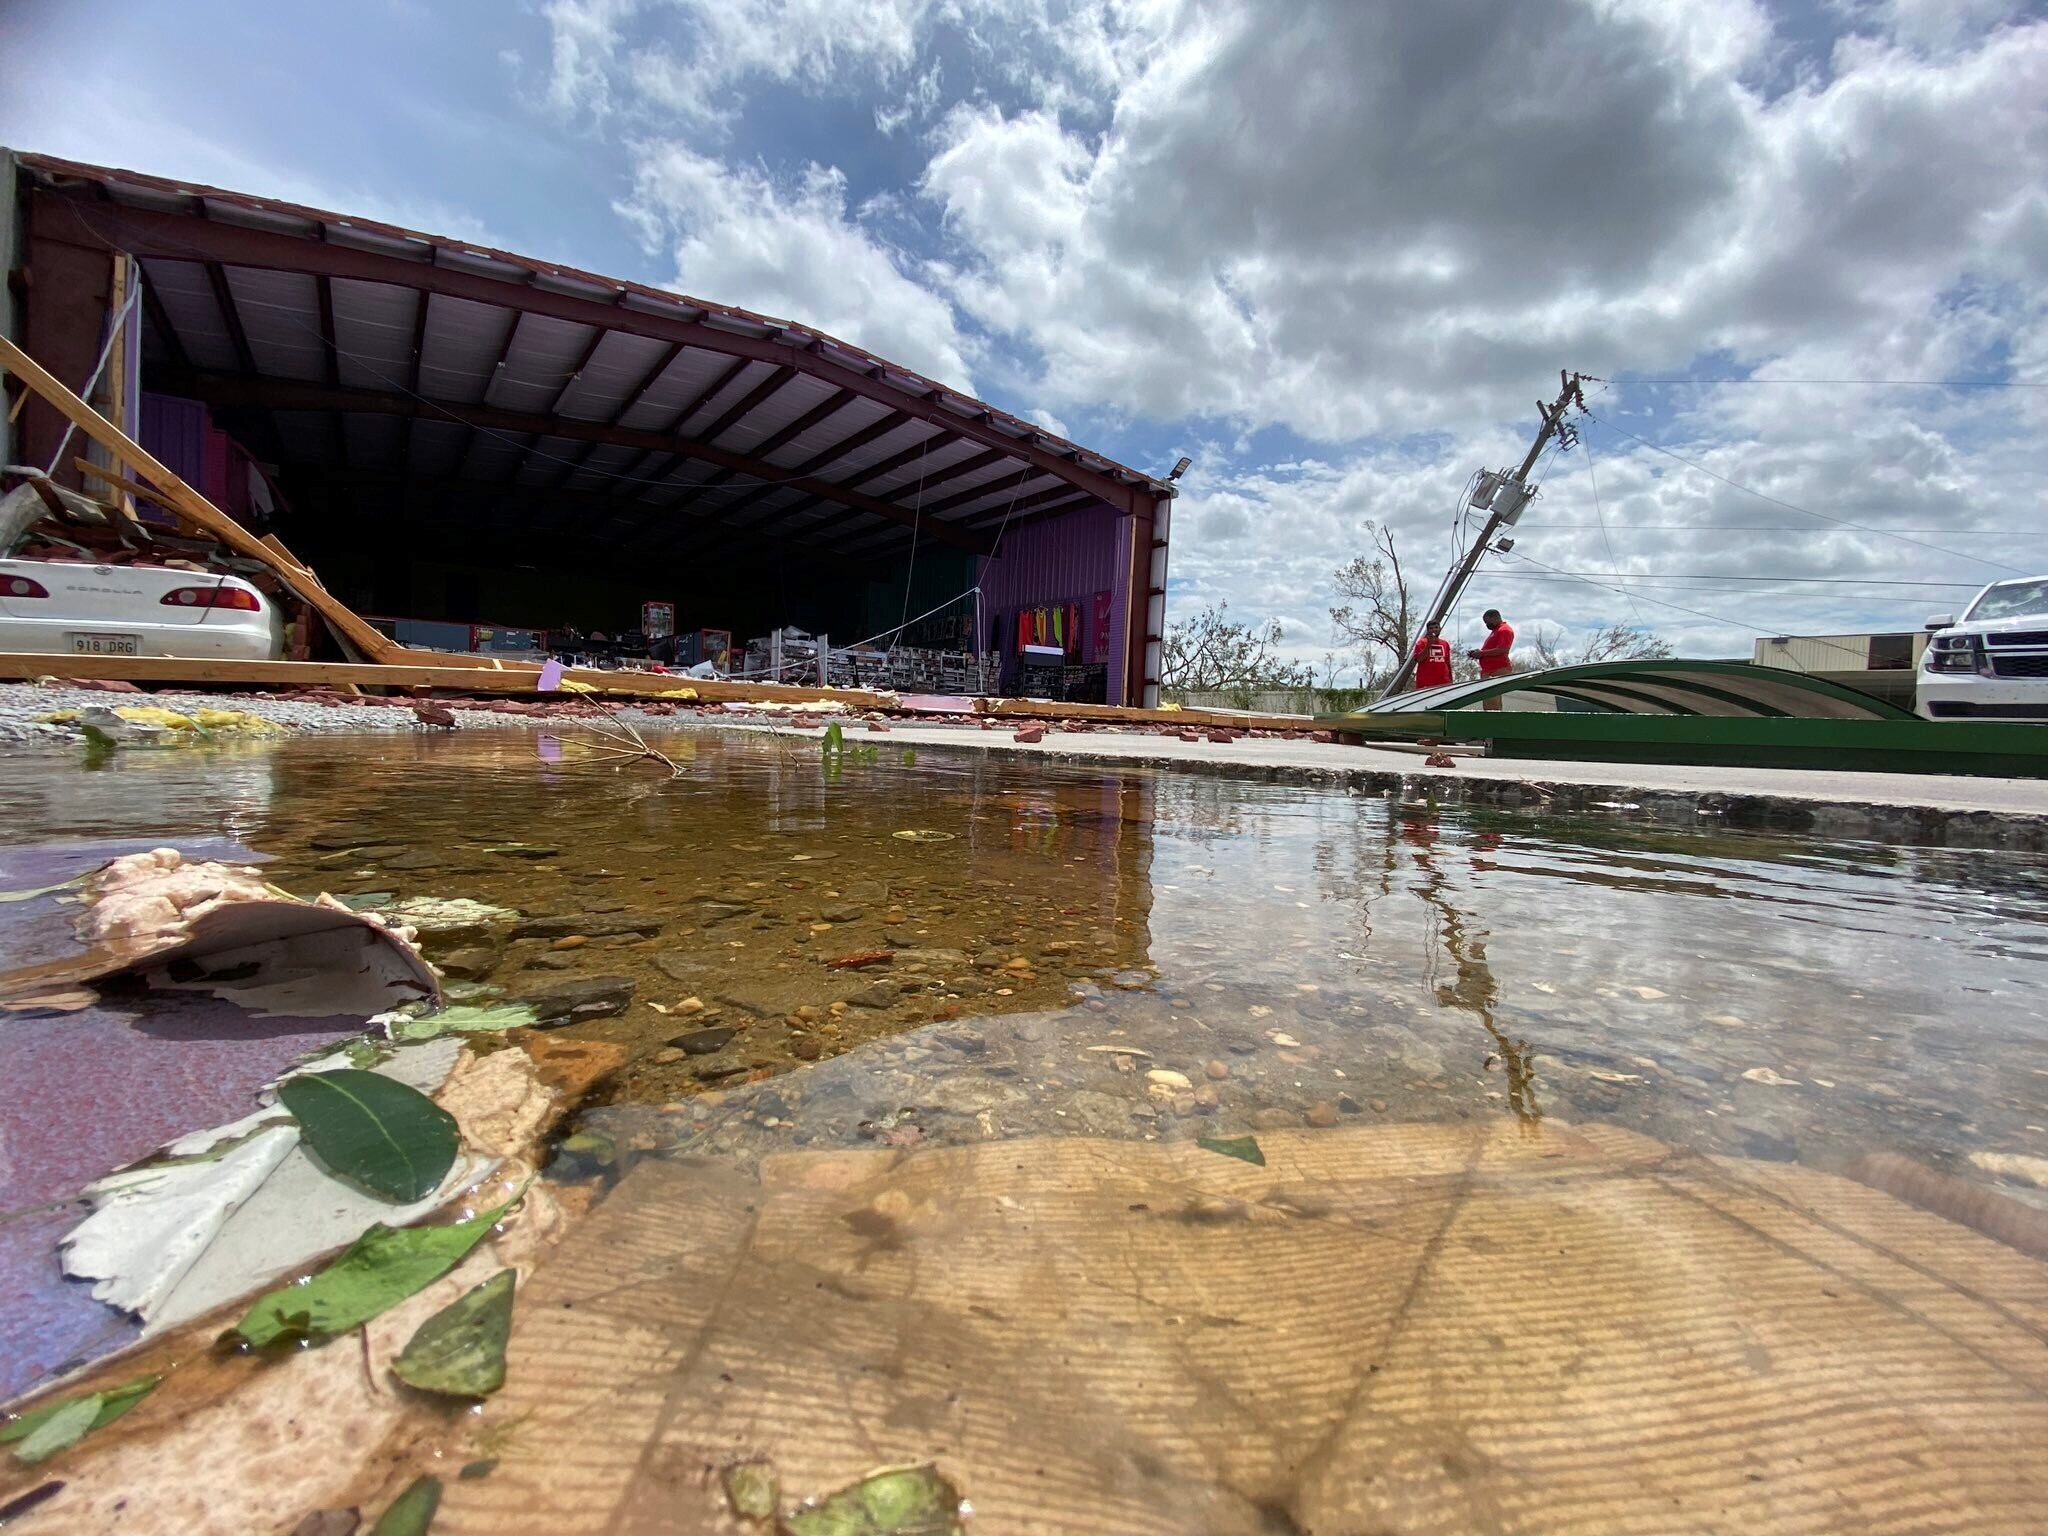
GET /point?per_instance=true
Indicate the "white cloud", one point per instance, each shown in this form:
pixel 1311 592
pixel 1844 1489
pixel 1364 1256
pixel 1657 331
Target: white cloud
pixel 1374 224
pixel 788 249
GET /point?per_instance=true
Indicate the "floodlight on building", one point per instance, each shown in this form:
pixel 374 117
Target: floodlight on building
pixel 1179 469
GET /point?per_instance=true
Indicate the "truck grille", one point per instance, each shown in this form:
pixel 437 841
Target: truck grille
pixel 2020 666
pixel 2018 637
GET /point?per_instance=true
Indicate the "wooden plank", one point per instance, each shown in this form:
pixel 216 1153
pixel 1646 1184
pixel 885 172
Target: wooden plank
pixel 420 669
pixel 189 504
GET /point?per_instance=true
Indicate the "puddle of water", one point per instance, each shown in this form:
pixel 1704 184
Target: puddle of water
pixel 1292 954
pixel 1522 1198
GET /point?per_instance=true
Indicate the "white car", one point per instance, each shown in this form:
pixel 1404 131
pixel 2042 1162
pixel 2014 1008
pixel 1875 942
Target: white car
pixel 71 608
pixel 1992 664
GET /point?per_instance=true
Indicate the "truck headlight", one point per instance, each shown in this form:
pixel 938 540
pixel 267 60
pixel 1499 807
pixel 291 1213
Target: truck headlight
pixel 1954 653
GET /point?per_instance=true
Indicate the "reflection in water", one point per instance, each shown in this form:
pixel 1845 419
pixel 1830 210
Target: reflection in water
pixel 1473 988
pixel 1278 952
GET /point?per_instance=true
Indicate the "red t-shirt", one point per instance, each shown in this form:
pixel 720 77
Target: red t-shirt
pixel 1432 662
pixel 1493 655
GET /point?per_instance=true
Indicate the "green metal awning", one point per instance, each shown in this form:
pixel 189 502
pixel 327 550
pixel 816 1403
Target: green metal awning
pixel 1729 689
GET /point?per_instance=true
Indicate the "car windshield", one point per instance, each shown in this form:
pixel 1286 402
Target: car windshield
pixel 2011 600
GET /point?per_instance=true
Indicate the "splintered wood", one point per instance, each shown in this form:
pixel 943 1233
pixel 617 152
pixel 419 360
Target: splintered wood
pixel 1414 1329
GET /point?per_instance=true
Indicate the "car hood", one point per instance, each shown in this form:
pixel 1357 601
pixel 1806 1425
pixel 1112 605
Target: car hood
pixel 1999 626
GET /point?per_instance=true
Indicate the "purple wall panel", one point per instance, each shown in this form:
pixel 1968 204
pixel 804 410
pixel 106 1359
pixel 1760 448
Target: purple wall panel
pixel 1066 559
pixel 174 432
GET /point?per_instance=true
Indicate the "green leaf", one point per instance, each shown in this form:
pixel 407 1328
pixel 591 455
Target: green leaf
pixel 897 1501
pixel 1244 1148
pixel 460 1350
pixel 412 1511
pixel 44 1431
pixel 752 1489
pixel 378 1271
pixel 374 1131
pixel 473 1018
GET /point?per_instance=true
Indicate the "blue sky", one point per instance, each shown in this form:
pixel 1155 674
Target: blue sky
pixel 1331 248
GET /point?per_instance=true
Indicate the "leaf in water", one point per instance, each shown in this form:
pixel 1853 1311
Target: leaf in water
pixel 378 1271
pixel 413 1510
pixel 752 1489
pixel 44 1431
pixel 897 1501
pixel 460 1350
pixel 473 1470
pixel 594 1145
pixel 471 1018
pixel 374 1131
pixel 833 743
pixel 41 890
pixel 1243 1148
pixel 367 901
pixel 910 757
pixel 922 835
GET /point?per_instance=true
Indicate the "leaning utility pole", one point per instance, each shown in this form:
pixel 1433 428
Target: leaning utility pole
pixel 1501 494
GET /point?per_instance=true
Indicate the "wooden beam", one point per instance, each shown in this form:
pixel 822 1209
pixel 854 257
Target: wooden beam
pixel 291 395
pixel 192 506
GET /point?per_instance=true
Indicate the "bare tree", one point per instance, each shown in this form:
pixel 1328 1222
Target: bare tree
pixel 1380 616
pixel 1212 650
pixel 1617 642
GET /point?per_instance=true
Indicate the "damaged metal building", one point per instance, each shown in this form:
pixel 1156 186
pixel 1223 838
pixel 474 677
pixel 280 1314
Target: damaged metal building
pixel 455 434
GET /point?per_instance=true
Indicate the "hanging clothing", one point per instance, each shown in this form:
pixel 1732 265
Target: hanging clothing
pixel 1073 631
pixel 1023 628
pixel 1059 628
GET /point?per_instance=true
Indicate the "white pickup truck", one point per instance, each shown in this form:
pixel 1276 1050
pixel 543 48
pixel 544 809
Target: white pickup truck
pixel 1992 663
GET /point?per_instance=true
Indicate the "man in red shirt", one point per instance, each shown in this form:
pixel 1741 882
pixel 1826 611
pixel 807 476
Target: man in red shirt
pixel 1432 658
pixel 1493 655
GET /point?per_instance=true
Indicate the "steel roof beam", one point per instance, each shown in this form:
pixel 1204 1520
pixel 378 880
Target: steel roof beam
pixel 288 395
pixel 184 237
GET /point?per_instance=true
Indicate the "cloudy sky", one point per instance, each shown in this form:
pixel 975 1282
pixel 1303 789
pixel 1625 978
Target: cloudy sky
pixel 1332 249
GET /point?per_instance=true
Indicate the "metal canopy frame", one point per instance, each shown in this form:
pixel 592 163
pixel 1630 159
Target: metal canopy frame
pixel 364 346
pixel 1708 689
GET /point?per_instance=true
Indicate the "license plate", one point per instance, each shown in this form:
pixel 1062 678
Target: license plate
pixel 103 645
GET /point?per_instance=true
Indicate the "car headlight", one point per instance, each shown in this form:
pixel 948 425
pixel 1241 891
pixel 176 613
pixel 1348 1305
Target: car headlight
pixel 1954 653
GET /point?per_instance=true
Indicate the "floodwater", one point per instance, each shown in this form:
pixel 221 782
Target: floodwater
pixel 1172 1153
pixel 1756 994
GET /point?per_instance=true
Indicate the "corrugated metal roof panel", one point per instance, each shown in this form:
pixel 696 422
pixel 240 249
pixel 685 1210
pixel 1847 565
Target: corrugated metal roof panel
pixel 372 440
pixel 854 417
pixel 726 398
pixel 462 342
pixel 373 332
pixel 681 382
pixel 795 397
pixel 187 297
pixel 437 447
pixel 617 365
pixel 538 365
pixel 306 435
pixel 273 307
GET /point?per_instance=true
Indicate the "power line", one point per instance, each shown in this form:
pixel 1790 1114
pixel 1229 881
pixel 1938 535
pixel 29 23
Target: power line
pixel 1804 581
pixel 1997 565
pixel 2011 533
pixel 1854 383
pixel 1698 613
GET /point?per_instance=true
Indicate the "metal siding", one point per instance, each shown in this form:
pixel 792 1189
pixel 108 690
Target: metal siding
pixel 1068 558
pixel 174 434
